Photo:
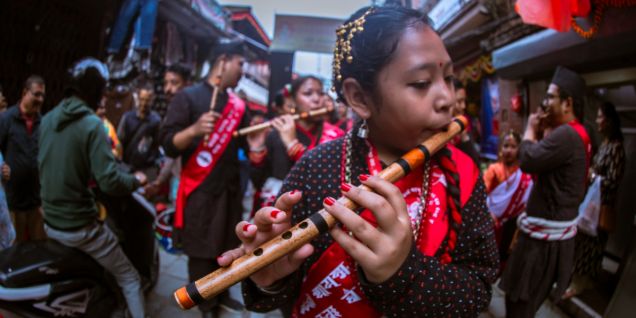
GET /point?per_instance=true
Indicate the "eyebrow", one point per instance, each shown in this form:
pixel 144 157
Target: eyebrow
pixel 429 66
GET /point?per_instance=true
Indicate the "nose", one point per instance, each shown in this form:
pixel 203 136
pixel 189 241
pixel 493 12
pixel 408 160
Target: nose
pixel 445 97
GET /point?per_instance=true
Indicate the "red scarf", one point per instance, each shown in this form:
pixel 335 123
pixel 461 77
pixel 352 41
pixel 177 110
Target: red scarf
pixel 329 133
pixel 331 287
pixel 580 130
pixel 205 158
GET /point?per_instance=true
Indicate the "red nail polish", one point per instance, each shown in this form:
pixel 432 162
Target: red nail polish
pixel 329 201
pixel 363 177
pixel 345 187
pixel 246 227
pixel 292 192
pixel 275 213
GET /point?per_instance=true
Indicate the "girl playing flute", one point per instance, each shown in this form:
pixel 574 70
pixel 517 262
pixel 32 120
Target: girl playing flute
pixel 423 247
pixel 290 139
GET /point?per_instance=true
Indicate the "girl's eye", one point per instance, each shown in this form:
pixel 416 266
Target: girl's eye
pixel 420 84
pixel 450 78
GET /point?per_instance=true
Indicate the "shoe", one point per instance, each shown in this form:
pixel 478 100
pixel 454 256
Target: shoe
pixel 231 305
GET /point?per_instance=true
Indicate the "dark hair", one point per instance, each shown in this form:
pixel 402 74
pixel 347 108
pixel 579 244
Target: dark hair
pixel 180 69
pixel 458 84
pixel 297 83
pixel 229 48
pixel 145 85
pixel 515 135
pixel 374 47
pixel 33 79
pixel 613 121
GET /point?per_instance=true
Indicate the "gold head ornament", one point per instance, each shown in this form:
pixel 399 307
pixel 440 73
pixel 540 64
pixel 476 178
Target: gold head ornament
pixel 342 51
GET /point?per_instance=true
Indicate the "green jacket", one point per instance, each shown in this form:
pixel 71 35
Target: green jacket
pixel 73 151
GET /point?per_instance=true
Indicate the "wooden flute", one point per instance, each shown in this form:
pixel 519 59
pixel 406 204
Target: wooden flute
pixel 267 124
pixel 215 95
pixel 306 230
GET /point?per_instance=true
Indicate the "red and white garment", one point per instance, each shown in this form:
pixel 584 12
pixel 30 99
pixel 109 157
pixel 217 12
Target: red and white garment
pixel 546 230
pixel 509 198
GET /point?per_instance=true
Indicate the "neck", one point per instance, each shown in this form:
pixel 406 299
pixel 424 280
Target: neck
pixel 211 80
pixel 306 125
pixel 511 163
pixel 387 153
pixel 24 109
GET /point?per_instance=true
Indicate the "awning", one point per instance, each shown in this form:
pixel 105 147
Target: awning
pixel 189 20
pixel 538 54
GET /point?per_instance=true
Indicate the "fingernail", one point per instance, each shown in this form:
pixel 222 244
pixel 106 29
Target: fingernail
pixel 363 177
pixel 218 258
pixel 345 187
pixel 274 213
pixel 329 201
pixel 292 192
pixel 246 227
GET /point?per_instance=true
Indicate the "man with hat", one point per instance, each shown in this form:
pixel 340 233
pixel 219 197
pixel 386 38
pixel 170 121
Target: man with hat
pixel 209 197
pixel 544 253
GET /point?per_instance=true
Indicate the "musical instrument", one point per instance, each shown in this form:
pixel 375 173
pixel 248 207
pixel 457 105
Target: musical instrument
pixel 306 230
pixel 267 124
pixel 215 94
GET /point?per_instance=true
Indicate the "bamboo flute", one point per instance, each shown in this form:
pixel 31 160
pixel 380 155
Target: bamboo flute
pixel 267 124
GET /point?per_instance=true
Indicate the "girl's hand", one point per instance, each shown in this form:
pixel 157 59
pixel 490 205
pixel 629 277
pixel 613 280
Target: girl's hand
pixel 286 128
pixel 379 251
pixel 268 223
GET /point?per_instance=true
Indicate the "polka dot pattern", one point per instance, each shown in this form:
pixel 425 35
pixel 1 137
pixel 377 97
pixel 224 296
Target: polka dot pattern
pixel 422 287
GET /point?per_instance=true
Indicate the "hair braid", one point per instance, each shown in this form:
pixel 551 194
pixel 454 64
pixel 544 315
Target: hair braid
pixel 454 206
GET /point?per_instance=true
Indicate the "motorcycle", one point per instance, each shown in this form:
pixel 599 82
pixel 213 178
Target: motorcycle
pixel 48 279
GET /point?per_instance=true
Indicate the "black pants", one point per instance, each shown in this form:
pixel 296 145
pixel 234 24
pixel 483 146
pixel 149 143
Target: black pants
pixel 199 267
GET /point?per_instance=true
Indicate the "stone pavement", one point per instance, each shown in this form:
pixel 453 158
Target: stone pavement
pixel 173 274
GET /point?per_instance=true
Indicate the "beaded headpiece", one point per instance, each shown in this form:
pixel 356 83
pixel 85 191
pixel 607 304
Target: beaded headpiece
pixel 342 51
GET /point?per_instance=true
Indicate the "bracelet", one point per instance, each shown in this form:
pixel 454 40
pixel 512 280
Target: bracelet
pixel 274 289
pixel 291 144
pixel 259 149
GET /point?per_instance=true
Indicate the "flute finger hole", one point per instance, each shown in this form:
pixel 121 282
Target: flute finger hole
pixel 303 225
pixel 258 252
pixel 287 235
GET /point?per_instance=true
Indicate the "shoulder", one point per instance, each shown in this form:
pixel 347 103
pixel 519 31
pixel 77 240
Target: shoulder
pixel 325 157
pixel 9 113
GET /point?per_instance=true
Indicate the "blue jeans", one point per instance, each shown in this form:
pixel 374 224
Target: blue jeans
pixel 146 12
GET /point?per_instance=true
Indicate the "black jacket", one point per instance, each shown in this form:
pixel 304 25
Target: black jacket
pixel 20 151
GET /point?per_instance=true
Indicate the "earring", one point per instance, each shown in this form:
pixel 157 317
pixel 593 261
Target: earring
pixel 363 131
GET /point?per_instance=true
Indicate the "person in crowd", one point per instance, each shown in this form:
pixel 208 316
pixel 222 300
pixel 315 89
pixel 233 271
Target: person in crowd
pixel 345 119
pixel 544 252
pixel 609 165
pixel 283 103
pixel 508 189
pixel 423 247
pixel 464 142
pixel 113 140
pixel 176 78
pixel 19 130
pixel 209 197
pixel 138 132
pixel 74 151
pixel 290 139
pixel 7 231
